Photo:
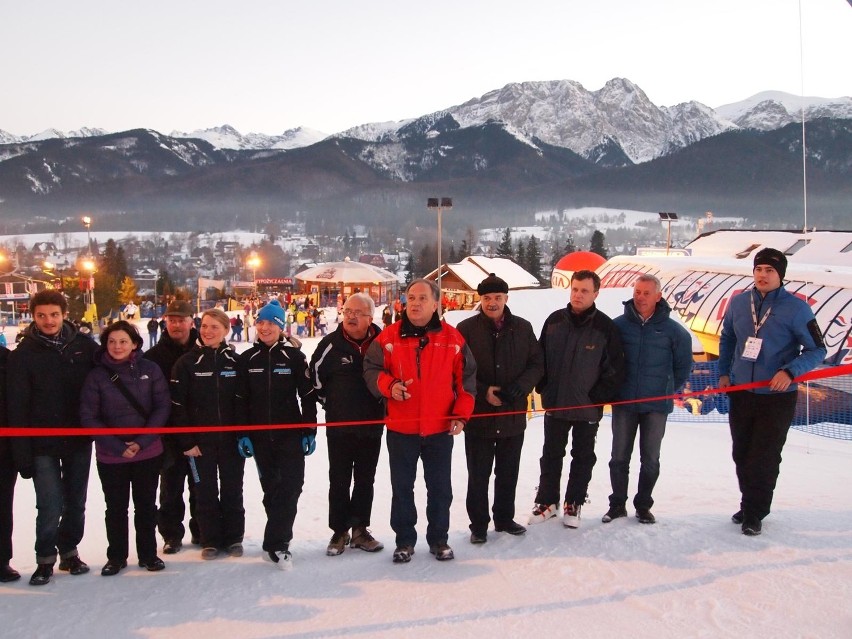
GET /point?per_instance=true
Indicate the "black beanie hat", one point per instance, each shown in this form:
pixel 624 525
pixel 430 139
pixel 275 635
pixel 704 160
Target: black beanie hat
pixel 492 284
pixel 774 258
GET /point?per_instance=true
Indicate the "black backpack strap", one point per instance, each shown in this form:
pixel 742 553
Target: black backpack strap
pixel 115 379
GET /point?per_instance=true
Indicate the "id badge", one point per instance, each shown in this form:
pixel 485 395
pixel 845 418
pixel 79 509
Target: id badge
pixel 752 348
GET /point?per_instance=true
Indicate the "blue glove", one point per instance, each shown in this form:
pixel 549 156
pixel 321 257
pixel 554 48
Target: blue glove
pixel 309 443
pixel 245 447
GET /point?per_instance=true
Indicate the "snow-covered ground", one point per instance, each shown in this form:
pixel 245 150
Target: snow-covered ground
pixel 693 574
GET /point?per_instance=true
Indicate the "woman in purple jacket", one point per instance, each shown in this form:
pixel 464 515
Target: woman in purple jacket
pixel 128 393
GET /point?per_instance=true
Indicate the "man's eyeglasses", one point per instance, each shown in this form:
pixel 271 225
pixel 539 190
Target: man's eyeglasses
pixel 350 313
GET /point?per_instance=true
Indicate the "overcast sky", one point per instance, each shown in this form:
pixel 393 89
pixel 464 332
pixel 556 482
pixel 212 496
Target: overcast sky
pixel 268 66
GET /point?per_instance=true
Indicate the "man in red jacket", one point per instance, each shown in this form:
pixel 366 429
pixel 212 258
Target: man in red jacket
pixel 426 372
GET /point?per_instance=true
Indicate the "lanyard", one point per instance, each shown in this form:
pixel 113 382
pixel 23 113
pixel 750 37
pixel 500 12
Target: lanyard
pixel 758 326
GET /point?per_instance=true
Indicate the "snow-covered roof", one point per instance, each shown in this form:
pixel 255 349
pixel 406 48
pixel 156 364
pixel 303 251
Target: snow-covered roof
pixel 346 271
pixel 475 268
pixel 816 248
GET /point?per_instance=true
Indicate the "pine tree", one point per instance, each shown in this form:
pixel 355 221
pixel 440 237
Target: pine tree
pixel 409 269
pixel 427 261
pixel 504 249
pixel 464 251
pixel 534 258
pixel 521 255
pixel 598 244
pixel 469 243
pixel 451 258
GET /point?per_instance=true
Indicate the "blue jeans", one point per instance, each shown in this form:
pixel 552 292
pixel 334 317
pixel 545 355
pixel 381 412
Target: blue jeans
pixel 436 451
pixel 61 485
pixel 652 428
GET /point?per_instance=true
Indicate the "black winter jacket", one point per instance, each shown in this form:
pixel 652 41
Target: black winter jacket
pixel 46 383
pixel 274 382
pixel 510 356
pixel 583 361
pixel 204 389
pixel 337 372
pixel 166 352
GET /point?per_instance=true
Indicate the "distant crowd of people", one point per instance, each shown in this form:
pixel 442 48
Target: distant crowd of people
pixel 424 379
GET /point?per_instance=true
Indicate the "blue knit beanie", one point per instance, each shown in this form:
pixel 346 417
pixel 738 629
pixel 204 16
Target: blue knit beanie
pixel 272 312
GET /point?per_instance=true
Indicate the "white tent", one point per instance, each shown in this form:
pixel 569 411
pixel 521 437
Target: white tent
pixel 347 277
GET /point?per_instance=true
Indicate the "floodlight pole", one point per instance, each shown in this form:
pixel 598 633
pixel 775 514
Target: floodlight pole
pixel 667 217
pixel 439 204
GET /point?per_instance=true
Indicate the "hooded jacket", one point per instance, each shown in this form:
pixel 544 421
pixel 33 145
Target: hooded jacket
pixel 442 369
pixel 46 382
pixel 274 383
pixel 659 357
pixel 510 356
pixel 337 372
pixel 791 337
pixel 204 393
pixel 583 363
pixel 103 405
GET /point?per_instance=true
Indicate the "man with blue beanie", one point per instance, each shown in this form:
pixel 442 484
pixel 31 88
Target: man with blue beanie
pixel 768 334
pixel 277 389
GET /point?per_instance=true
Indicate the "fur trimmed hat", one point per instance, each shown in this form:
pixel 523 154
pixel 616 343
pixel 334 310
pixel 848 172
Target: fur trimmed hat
pixel 492 284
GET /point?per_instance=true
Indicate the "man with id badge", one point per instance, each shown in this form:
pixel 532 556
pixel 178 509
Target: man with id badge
pixel 767 334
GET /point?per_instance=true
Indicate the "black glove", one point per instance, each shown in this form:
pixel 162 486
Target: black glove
pixel 510 393
pixel 27 472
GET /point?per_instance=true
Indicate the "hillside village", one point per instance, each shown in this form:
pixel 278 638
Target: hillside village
pixel 164 265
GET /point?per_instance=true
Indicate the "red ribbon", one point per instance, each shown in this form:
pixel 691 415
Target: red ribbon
pixel 13 431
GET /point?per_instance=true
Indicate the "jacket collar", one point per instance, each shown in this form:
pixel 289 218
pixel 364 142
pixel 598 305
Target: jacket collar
pixel 407 329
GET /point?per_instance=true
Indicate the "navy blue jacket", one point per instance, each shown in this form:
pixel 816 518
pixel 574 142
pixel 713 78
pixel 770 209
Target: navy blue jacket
pixel 659 357
pixel 791 338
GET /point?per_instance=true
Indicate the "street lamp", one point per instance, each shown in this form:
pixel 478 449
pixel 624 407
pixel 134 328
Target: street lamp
pixel 667 216
pixel 87 222
pixel 439 204
pixel 89 265
pixel 253 262
pixel 91 314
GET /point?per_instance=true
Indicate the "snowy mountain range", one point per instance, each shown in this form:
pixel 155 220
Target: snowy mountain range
pixel 526 147
pixel 560 113
pixel 227 137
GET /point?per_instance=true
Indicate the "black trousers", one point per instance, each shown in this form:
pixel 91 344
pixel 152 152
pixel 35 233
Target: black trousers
pixel 174 475
pixel 759 426
pixel 504 455
pixel 281 465
pixel 8 476
pixel 219 495
pixel 351 456
pixel 119 481
pixel 583 458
